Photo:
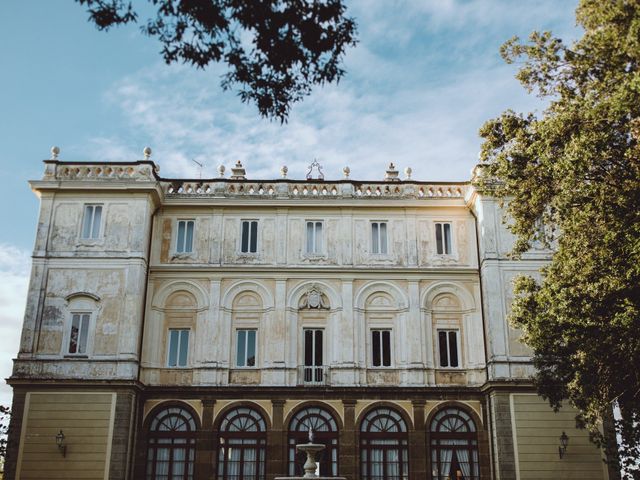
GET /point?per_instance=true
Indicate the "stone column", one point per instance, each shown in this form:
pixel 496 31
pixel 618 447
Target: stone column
pixel 348 455
pixel 417 443
pixel 501 436
pixel 206 442
pixel 276 442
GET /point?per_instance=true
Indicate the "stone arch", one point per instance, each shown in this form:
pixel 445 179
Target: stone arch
pixel 169 404
pixel 293 299
pixel 317 404
pixel 385 404
pixel 439 290
pixel 221 415
pixel 388 288
pixel 192 288
pixel 479 424
pixel 247 286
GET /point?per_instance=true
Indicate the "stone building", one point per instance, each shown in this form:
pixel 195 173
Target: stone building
pixel 196 329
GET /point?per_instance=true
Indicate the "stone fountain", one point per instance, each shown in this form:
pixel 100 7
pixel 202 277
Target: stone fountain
pixel 311 449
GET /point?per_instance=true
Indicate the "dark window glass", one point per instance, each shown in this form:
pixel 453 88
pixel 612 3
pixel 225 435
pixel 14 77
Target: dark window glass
pixel 453 349
pixel 442 344
pixel 439 238
pixel 375 341
pixel 245 237
pixel 254 237
pixel 386 348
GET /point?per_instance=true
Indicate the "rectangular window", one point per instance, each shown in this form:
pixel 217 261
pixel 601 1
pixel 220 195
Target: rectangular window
pixel 184 240
pixel 79 333
pixel 246 348
pixel 249 242
pixel 178 347
pixel 314 237
pixel 378 237
pixel 381 348
pixel 91 221
pixel 313 371
pixel 448 348
pixel 443 238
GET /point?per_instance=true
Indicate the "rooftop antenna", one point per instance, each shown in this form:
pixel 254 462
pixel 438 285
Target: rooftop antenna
pixel 199 165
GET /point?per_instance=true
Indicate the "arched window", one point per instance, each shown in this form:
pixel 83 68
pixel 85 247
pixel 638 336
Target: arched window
pixel 383 446
pixel 242 447
pixel 171 445
pixel 325 431
pixel 454 446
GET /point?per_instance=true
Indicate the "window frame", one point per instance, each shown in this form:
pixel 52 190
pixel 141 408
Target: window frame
pixel 376 247
pixel 89 333
pixel 249 221
pixel 255 347
pixel 442 245
pixel 317 238
pixel 381 330
pixel 92 227
pixel 178 347
pixel 177 245
pixel 372 439
pixel 253 437
pixel 448 331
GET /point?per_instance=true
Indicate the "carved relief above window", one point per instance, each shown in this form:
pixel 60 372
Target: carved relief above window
pixel 314 299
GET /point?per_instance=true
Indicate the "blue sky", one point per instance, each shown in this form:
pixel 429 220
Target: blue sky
pixel 424 77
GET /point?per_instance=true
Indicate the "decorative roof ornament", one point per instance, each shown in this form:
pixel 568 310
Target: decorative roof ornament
pixel 55 151
pixel 283 171
pixel 346 171
pixel 318 167
pixel 391 175
pixel 408 172
pixel 238 172
pixel 221 170
pixel 147 153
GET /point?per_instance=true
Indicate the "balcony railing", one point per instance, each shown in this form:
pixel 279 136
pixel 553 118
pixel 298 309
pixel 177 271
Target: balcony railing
pixel 313 375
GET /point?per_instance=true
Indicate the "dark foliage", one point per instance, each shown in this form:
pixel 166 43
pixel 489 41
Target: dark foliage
pixel 276 50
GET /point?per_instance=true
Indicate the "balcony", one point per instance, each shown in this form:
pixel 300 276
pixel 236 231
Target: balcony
pixel 313 375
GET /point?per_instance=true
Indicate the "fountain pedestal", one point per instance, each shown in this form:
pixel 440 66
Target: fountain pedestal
pixel 311 449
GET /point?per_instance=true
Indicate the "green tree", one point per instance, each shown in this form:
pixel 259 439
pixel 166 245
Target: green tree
pixel 569 177
pixel 276 50
pixel 5 416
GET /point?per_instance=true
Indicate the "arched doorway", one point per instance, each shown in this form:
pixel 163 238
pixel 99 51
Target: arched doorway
pixel 383 446
pixel 242 445
pixel 454 446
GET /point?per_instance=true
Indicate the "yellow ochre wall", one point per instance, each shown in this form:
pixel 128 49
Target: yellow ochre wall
pixel 86 419
pixel 537 431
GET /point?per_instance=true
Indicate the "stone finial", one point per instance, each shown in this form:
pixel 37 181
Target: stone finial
pixel 147 153
pixel 221 170
pixel 391 175
pixel 238 172
pixel 408 172
pixel 346 171
pixel 283 171
pixel 55 151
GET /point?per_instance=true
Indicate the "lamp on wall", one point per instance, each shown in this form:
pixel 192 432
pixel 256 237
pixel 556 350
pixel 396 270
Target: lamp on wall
pixel 564 441
pixel 60 443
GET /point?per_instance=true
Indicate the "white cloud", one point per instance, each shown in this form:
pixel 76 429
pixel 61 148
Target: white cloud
pixel 14 269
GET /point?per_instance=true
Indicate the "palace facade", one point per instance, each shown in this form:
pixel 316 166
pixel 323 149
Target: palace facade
pixel 196 329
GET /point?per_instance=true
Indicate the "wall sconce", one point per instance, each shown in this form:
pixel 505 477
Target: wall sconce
pixel 60 443
pixel 564 441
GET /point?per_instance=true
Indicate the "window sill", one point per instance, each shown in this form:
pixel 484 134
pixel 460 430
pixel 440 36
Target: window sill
pixel 70 356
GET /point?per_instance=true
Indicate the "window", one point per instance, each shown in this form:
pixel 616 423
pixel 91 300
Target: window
pixel 378 237
pixel 172 445
pixel 242 445
pixel 384 453
pixel 246 348
pixel 454 446
pixel 314 237
pixel 91 221
pixel 448 348
pixel 79 333
pixel 381 348
pixel 325 431
pixel 313 369
pixel 443 238
pixel 249 243
pixel 184 239
pixel 178 347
